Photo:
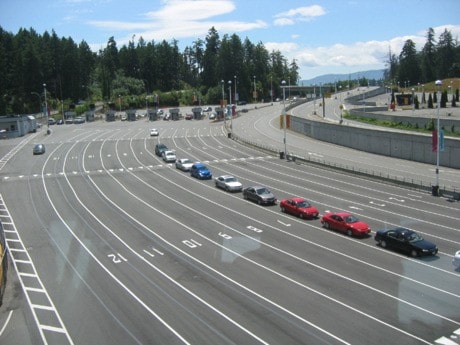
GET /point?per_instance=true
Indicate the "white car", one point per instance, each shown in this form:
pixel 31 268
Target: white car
pixel 169 156
pixel 229 183
pixel 184 164
pixel 154 132
pixel 456 259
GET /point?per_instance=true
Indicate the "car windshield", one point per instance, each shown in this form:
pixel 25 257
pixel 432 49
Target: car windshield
pixel 351 219
pixel 230 179
pixel 303 204
pixel 262 191
pixel 186 161
pixel 414 237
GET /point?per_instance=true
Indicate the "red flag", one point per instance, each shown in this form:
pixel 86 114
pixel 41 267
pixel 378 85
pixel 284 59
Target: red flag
pixel 434 140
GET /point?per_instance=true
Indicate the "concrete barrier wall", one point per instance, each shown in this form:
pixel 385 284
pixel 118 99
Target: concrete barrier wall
pixel 415 147
pixel 421 122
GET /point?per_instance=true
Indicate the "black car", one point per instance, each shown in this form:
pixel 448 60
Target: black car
pixel 405 240
pixel 261 195
pixel 160 148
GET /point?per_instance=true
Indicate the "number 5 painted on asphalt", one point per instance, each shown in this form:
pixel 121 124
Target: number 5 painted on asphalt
pixel 253 228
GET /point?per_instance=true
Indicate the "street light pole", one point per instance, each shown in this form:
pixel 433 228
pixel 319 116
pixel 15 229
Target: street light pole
pixel 222 103
pixel 255 91
pixel 271 89
pixel 438 132
pixel 236 98
pixel 46 111
pixel 230 106
pixel 283 83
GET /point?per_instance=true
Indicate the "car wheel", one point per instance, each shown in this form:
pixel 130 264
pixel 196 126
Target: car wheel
pixel 301 215
pixel 383 244
pixel 226 189
pixel 413 253
pixel 245 197
pixel 326 225
pixel 349 232
pixel 259 202
pixel 283 209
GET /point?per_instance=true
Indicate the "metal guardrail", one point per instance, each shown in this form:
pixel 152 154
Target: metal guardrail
pixel 452 195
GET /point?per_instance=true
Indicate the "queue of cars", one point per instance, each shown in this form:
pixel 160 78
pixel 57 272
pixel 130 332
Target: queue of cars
pixel 399 239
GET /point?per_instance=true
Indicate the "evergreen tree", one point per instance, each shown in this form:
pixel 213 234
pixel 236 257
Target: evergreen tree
pixel 409 69
pixel 211 76
pixel 445 55
pixel 428 57
pixel 430 101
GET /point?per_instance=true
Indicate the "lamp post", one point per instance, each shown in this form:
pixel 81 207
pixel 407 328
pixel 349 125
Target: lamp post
pixel 413 101
pixel 230 106
pixel 283 83
pixel 271 89
pixel 223 94
pixel 119 101
pixel 46 111
pixel 255 91
pixel 438 86
pixel 235 95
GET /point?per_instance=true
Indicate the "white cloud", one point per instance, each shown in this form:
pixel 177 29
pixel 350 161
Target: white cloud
pixel 181 19
pixel 178 10
pixel 299 14
pixel 355 56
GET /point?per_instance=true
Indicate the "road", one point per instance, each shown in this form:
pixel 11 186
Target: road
pixel 262 128
pixel 113 246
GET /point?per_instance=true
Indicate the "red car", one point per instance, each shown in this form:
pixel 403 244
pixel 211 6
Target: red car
pixel 346 223
pixel 299 207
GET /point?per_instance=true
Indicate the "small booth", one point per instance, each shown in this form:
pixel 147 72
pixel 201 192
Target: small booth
pixel 197 113
pixel 110 115
pixel 131 114
pixel 220 113
pixel 69 116
pixel 152 114
pixel 17 126
pixel 90 113
pixel 174 113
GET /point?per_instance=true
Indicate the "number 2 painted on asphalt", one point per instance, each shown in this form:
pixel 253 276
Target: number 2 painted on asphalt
pixel 116 258
pixel 191 243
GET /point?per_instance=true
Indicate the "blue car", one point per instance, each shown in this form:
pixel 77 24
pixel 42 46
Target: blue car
pixel 200 171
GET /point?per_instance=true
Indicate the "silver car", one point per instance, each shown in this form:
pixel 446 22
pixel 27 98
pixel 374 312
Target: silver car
pixel 229 183
pixel 261 195
pixel 184 164
pixel 39 149
pixel 169 156
pixel 456 259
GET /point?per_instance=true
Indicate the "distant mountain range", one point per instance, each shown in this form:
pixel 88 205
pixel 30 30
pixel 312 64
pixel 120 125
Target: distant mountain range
pixel 331 78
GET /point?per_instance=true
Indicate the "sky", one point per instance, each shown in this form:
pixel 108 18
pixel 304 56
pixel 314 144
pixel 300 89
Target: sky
pixel 323 37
